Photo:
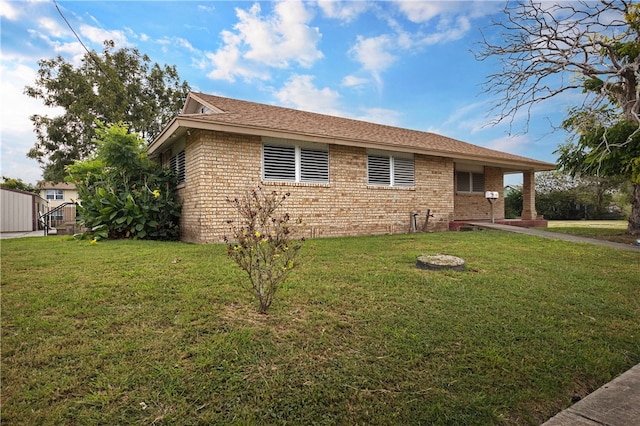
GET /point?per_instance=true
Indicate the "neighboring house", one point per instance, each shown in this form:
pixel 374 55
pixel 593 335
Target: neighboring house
pixel 345 177
pixel 20 210
pixel 58 194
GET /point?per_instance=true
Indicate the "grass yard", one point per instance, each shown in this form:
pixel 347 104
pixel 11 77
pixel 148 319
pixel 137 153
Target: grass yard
pixel 138 332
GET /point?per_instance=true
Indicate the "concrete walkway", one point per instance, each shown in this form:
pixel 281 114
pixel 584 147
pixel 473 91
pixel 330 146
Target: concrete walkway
pixel 7 235
pixel 615 404
pixel 618 402
pixel 554 235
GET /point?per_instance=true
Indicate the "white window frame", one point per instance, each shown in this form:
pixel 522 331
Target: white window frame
pixel 472 181
pixel 55 194
pixel 303 152
pixel 400 165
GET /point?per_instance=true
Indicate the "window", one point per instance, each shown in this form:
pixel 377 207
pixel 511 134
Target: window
pixel 295 163
pixel 469 182
pixel 57 215
pixel 55 194
pixel 177 165
pixel 390 169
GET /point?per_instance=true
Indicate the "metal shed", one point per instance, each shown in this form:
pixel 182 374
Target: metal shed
pixel 20 210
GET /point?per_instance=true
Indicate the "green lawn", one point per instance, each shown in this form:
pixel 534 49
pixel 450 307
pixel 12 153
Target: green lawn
pixel 126 332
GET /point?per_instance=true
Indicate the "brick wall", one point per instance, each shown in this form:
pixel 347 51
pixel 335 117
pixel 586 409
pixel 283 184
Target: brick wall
pixel 221 165
pixel 475 206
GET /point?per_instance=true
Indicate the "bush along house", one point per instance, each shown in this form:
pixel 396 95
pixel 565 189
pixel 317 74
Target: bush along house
pixel 345 177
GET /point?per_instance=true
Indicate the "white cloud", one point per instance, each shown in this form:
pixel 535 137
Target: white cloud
pixel 98 35
pixel 173 42
pixel 73 51
pixel 345 11
pixel 470 118
pixel 433 22
pixel 352 81
pixel 278 40
pixel 299 92
pixel 513 144
pixel 380 116
pixel 16 129
pixel 7 11
pixel 206 8
pixel 227 61
pixel 452 18
pixel 374 53
pixel 181 42
pixel 448 31
pixel 52 27
pixel 423 11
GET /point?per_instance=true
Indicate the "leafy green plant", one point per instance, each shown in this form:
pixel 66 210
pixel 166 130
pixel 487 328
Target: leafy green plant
pixel 263 244
pixel 124 194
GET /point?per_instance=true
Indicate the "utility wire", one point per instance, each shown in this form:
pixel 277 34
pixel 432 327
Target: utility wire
pixel 89 52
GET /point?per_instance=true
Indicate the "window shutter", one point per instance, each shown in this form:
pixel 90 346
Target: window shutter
pixel 378 170
pixel 182 171
pixel 178 166
pixel 403 172
pixel 478 182
pixel 463 183
pixel 173 164
pixel 314 165
pixel 279 162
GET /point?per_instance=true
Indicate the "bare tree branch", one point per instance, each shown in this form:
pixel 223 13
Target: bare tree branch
pixel 547 49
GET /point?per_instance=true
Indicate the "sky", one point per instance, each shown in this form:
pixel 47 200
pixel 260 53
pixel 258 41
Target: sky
pixel 402 63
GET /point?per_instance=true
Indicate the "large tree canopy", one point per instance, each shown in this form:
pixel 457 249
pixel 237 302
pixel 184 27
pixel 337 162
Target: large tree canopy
pixel 119 85
pixel 549 49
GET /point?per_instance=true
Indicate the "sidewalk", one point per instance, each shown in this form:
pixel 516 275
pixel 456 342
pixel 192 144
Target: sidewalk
pixel 615 404
pixel 7 235
pixel 554 235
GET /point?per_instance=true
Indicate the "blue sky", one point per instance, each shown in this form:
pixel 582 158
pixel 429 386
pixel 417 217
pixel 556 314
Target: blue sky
pixel 407 64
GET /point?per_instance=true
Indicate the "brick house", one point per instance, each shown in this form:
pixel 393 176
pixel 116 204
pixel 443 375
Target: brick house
pixel 345 177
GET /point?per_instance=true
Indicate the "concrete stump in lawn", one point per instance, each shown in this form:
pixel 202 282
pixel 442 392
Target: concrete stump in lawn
pixel 440 262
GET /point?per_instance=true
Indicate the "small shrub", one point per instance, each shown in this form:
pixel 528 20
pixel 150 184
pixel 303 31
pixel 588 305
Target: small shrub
pixel 263 244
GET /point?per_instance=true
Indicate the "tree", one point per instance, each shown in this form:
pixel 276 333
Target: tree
pixel 117 86
pixel 561 195
pixel 548 49
pixel 124 194
pixel 512 201
pixel 262 243
pixel 11 183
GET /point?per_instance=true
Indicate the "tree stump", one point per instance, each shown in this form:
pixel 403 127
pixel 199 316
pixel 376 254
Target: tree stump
pixel 440 262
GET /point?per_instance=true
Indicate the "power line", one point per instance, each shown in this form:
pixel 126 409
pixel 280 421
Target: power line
pixel 90 53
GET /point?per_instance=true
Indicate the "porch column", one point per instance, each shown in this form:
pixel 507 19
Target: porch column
pixel 529 196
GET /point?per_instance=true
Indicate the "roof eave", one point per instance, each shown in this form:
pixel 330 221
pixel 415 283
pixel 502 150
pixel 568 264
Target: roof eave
pixel 181 123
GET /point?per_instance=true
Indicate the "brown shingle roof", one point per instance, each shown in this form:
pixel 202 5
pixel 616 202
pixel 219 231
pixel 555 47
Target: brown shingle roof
pixel 238 113
pixel 58 185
